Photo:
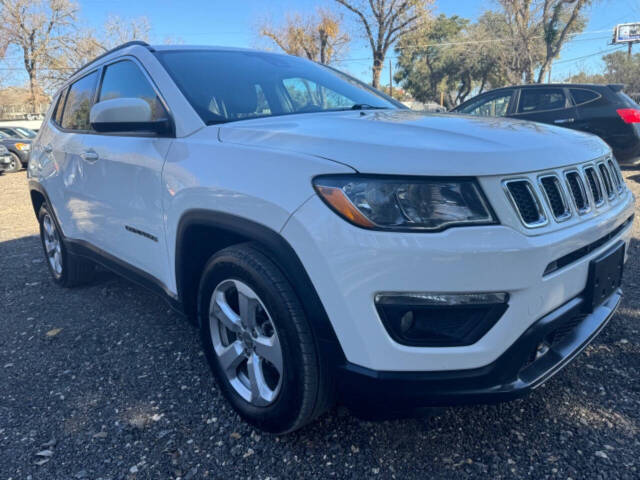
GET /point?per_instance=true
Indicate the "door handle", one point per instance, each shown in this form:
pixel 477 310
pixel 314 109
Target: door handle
pixel 47 149
pixel 564 120
pixel 89 156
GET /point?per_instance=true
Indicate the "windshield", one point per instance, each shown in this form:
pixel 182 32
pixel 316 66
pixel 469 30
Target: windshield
pixel 25 132
pixel 224 86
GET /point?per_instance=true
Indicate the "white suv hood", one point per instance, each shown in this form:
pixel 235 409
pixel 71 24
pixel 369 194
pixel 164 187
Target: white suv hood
pixel 410 143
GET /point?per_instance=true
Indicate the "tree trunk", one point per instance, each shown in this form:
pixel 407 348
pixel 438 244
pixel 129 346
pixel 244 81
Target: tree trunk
pixel 376 69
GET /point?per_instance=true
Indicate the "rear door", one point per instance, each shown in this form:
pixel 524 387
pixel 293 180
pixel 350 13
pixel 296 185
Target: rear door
pixel 123 176
pixel 546 105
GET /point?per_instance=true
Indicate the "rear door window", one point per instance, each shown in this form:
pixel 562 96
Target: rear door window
pixel 582 95
pixel 541 99
pixel 124 79
pixel 79 102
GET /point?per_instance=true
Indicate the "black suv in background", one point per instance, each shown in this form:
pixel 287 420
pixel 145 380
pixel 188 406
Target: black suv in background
pixel 604 110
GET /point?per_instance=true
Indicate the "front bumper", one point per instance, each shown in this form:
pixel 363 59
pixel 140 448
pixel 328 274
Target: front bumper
pixel 5 161
pixel 521 368
pixel 349 266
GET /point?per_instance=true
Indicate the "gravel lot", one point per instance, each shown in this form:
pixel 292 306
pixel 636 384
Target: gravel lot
pixel 112 384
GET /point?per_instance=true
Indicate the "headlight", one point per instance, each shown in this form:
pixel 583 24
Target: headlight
pixel 23 146
pixel 398 203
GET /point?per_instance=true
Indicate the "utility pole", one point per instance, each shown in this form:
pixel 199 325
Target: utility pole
pixel 629 49
pixel 390 79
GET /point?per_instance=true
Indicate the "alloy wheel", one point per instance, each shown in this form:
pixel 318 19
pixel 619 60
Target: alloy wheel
pixel 246 342
pixel 52 245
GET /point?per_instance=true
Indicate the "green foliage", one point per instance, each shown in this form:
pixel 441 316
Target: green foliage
pixel 620 68
pixel 464 64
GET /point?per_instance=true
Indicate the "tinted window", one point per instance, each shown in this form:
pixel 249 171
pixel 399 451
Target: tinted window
pixel 79 101
pixel 495 105
pixel 581 95
pixel 126 80
pixel 60 107
pixel 232 85
pixel 540 99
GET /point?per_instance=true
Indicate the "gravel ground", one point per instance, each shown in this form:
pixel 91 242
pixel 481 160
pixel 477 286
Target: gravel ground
pixel 106 382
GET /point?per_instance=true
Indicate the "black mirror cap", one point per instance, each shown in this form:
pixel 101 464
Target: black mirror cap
pixel 159 127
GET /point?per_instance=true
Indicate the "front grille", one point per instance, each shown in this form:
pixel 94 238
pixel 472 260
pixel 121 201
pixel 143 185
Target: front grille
pixel 553 192
pixel 594 185
pixel 559 195
pixel 606 179
pixel 578 193
pixel 526 202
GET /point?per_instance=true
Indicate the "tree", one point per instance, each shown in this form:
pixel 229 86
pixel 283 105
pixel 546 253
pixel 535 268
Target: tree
pixel 539 29
pixel 619 68
pixel 450 57
pixel 38 27
pixel 82 46
pixel 386 21
pixel 318 37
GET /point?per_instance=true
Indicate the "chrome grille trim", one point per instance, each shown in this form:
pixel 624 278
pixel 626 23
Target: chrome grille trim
pixel 606 180
pixel 595 186
pixel 574 173
pixel 542 217
pixel 555 188
pixel 616 175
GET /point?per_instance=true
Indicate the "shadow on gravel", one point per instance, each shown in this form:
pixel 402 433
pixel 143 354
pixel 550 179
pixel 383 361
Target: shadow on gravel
pixel 124 380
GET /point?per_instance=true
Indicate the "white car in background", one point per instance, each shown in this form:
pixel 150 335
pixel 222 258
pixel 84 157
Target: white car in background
pixel 333 245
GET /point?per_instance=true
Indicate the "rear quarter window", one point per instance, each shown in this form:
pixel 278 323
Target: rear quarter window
pixel 583 95
pixel 57 116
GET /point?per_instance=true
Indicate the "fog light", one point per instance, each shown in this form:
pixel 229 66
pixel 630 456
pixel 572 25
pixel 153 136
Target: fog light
pixel 439 320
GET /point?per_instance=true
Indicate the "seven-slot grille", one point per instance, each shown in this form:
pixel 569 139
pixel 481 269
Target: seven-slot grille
pixel 581 189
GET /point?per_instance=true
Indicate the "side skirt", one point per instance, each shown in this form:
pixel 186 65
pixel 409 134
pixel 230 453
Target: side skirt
pixel 124 269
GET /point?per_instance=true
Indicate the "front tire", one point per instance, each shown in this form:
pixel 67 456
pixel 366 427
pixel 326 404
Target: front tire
pixel 66 269
pixel 15 165
pixel 258 341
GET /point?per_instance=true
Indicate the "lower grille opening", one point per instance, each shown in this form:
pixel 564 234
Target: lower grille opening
pixel 586 250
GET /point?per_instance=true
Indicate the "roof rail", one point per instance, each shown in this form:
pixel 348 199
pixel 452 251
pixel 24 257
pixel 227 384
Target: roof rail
pixel 124 45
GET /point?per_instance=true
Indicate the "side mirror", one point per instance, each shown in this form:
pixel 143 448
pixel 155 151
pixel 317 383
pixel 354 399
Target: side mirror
pixel 126 115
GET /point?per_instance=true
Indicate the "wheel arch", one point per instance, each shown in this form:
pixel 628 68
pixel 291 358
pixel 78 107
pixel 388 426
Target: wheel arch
pixel 38 196
pixel 219 230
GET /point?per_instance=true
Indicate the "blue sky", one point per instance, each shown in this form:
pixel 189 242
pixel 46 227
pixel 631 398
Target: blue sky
pixel 231 23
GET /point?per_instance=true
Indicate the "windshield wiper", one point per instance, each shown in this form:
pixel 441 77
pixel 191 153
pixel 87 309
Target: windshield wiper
pixel 366 106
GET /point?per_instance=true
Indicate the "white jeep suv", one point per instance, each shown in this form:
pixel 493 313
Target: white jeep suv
pixel 332 245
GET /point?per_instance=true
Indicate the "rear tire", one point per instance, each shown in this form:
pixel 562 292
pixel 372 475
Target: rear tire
pixel 244 275
pixel 66 269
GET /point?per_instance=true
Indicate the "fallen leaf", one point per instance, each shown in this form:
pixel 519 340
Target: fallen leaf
pixel 44 453
pixel 102 434
pixel 53 332
pixel 41 462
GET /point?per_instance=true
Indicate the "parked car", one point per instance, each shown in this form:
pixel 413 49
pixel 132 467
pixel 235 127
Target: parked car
pixel 604 110
pixel 19 148
pixel 18 132
pixel 332 245
pixel 5 159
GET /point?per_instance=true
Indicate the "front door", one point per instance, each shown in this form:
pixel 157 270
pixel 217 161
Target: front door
pixel 124 177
